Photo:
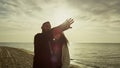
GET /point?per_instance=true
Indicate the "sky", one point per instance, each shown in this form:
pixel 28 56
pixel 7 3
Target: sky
pixel 95 20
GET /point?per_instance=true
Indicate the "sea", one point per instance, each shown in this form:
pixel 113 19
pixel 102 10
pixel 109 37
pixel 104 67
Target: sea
pixel 85 55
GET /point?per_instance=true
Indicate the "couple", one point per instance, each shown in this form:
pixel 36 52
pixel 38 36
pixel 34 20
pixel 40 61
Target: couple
pixel 50 46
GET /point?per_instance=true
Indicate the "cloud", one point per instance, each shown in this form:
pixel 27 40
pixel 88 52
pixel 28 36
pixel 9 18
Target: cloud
pixel 12 7
pixel 91 16
pixel 102 8
pixel 115 25
pixel 96 6
pixel 16 14
pixel 98 12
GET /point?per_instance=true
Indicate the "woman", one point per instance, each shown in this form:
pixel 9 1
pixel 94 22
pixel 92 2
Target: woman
pixel 59 49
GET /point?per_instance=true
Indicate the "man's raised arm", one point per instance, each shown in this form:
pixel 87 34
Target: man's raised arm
pixel 66 25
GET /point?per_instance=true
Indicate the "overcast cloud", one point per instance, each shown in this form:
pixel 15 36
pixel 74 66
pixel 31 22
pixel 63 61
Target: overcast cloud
pixel 98 17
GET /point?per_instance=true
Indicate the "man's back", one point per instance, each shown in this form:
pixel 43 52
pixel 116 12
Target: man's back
pixel 41 51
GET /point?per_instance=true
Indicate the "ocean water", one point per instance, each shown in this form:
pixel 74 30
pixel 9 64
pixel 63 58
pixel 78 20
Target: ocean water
pixel 96 55
pixel 87 55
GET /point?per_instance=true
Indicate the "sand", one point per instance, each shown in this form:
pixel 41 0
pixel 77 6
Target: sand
pixel 15 58
pixel 18 58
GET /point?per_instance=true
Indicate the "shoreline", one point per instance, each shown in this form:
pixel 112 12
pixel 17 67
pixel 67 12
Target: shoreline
pixel 18 57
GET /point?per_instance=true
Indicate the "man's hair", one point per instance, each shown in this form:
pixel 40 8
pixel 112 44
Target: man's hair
pixel 45 23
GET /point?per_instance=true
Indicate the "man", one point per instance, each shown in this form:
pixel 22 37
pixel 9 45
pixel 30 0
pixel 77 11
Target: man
pixel 44 44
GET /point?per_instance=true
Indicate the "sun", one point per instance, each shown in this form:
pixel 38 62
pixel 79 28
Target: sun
pixel 61 14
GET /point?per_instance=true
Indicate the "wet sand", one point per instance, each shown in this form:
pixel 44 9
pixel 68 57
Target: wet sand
pixel 17 58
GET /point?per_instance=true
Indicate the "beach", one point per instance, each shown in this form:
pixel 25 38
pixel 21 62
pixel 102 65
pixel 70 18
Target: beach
pixel 83 55
pixel 17 58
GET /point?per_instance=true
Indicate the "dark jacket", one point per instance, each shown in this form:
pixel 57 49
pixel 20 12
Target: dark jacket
pixel 41 51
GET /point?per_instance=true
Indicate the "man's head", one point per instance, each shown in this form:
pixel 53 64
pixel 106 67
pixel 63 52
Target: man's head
pixel 46 26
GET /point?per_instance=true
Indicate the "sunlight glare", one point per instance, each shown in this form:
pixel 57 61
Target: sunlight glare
pixel 61 14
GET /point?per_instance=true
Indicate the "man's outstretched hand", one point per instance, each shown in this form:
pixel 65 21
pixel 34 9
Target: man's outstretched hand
pixel 67 24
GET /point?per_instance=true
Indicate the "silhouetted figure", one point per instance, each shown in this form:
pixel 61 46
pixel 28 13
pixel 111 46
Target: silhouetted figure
pixel 48 46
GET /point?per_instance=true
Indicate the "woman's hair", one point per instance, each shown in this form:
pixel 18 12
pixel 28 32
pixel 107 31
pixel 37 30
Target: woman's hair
pixel 63 39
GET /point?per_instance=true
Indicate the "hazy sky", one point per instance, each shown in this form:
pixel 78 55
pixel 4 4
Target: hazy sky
pixel 95 20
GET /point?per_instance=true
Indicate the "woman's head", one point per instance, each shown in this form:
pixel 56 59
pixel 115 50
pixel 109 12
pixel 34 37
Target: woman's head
pixel 57 33
pixel 59 36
